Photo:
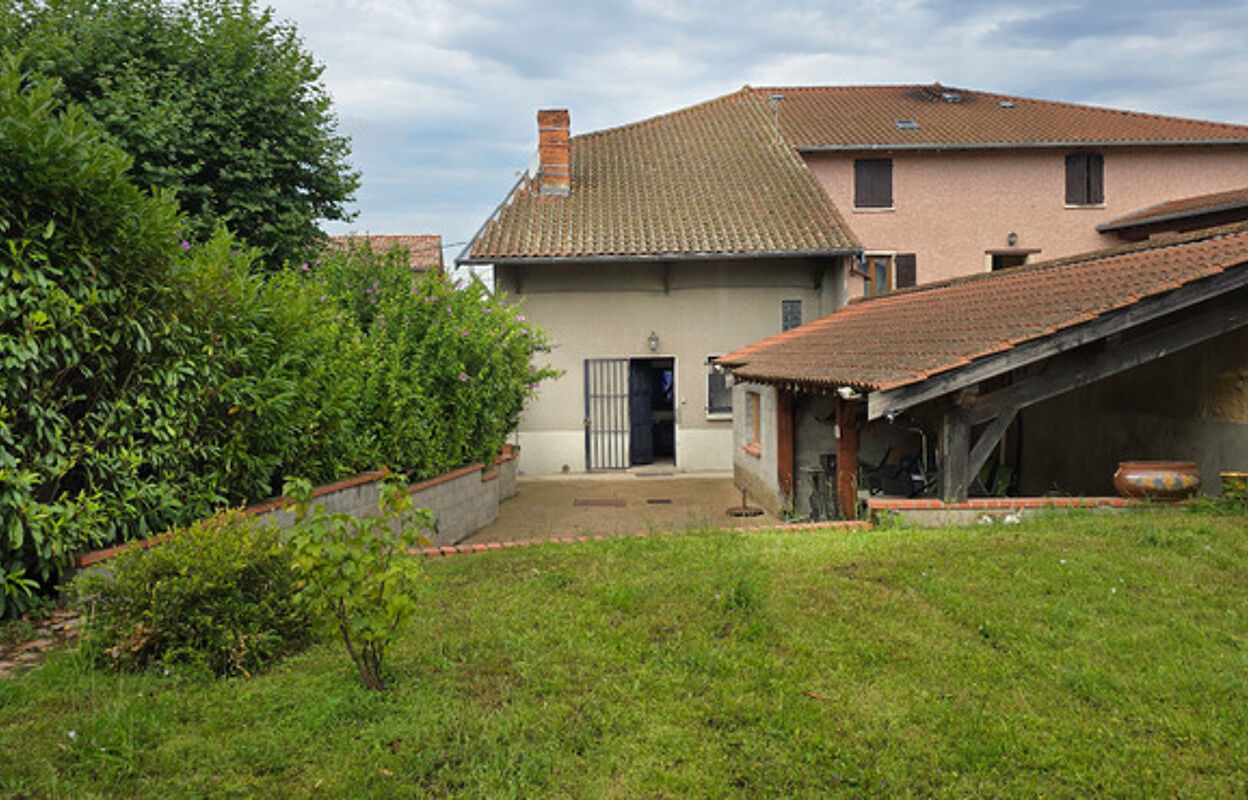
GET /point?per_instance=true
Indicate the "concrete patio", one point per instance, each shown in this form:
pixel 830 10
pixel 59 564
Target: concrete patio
pixel 633 501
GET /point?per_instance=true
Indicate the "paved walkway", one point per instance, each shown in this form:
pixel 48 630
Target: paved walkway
pixel 616 503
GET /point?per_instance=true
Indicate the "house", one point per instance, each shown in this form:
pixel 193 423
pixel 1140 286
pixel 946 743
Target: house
pixel 424 250
pixel 1052 372
pixel 650 248
pixel 646 250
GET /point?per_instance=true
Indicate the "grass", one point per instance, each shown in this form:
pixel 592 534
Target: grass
pixel 1073 655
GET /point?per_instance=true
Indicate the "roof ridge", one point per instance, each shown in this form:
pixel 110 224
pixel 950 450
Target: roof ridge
pixel 652 120
pixel 1002 96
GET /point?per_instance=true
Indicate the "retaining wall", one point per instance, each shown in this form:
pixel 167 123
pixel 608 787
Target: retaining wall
pixel 463 502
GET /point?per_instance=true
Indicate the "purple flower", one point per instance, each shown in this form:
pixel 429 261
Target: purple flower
pixel 519 318
pixel 368 291
pixel 448 309
pixel 186 245
pixel 463 377
pixel 428 299
pixel 303 267
pixel 463 332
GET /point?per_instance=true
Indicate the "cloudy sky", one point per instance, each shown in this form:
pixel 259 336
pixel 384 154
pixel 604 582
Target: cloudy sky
pixel 439 97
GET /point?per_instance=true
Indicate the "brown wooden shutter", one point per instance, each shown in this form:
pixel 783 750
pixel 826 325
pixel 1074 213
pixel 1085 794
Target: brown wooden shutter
pixel 1096 178
pixel 1076 179
pixel 907 270
pixel 873 183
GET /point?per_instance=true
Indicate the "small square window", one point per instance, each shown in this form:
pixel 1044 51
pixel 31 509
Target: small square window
pixel 1085 179
pixel 873 183
pixel 718 392
pixel 790 314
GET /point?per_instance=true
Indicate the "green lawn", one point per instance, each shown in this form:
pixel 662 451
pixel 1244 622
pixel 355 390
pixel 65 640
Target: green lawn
pixel 1080 655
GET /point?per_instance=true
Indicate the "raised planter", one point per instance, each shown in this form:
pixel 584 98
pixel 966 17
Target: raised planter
pixel 1157 480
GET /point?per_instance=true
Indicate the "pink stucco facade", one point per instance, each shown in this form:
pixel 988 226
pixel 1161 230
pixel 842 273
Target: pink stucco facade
pixel 952 208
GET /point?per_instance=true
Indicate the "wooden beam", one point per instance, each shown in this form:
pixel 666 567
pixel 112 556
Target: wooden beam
pixel 1073 370
pixel 1146 310
pixel 847 416
pixel 988 440
pixel 955 440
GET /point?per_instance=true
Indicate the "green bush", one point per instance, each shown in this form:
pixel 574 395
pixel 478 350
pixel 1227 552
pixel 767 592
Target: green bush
pixel 217 596
pixel 447 368
pixel 355 575
pixel 92 380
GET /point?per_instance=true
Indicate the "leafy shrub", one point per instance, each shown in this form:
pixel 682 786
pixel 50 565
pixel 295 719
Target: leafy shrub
pixel 218 595
pixel 279 371
pixel 355 574
pixel 91 389
pixel 448 368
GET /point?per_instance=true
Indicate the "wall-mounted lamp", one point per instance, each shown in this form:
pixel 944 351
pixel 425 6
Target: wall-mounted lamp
pixel 1012 239
pixel 652 341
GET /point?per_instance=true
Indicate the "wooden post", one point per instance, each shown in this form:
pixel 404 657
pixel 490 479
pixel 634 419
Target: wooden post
pixel 784 440
pixel 847 415
pixel 955 449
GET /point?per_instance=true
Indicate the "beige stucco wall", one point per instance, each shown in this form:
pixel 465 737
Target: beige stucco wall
pixel 951 207
pixel 756 472
pixel 697 309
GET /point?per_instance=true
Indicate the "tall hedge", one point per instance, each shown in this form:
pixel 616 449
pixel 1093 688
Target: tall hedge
pixel 147 377
pixel 89 394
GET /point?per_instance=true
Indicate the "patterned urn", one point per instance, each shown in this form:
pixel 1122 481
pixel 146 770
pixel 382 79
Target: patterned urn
pixel 1157 480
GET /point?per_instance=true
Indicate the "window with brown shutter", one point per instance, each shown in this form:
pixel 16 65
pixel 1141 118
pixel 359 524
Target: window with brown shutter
pixel 907 270
pixel 873 183
pixel 1085 179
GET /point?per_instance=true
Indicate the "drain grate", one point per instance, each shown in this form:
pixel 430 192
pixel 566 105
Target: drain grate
pixel 658 501
pixel 599 501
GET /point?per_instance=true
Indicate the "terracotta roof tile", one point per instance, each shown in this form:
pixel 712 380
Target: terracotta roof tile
pixel 1185 208
pixel 711 179
pixel 858 117
pixel 903 337
pixel 425 250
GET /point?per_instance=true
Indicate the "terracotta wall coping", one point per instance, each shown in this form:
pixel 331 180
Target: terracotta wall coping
pixel 1000 503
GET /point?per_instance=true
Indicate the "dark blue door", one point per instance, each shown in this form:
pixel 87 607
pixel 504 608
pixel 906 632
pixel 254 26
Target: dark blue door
pixel 641 420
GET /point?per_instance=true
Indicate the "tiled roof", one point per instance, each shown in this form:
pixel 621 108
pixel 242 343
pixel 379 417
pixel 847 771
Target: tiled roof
pixel 1175 210
pixel 711 179
pixel 857 117
pixel 906 336
pixel 425 249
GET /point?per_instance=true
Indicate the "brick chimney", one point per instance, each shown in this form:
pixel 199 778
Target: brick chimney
pixel 553 152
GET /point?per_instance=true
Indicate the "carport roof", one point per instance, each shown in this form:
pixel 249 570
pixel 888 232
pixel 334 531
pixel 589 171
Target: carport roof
pixel 908 336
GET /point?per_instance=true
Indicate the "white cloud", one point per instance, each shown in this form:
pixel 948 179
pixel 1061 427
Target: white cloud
pixel 439 97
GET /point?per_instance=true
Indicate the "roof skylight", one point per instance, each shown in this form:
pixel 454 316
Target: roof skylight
pixel 906 124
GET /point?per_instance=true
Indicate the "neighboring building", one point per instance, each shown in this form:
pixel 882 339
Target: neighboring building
pixel 424 250
pixel 721 223
pixel 938 182
pixel 1050 373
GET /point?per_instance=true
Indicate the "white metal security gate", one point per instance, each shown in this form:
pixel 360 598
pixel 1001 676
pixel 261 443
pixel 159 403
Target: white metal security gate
pixel 606 413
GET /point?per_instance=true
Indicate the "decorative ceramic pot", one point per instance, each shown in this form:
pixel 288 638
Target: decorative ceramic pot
pixel 1157 480
pixel 1235 483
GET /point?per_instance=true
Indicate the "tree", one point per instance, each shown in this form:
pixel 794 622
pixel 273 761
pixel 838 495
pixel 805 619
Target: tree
pixel 215 100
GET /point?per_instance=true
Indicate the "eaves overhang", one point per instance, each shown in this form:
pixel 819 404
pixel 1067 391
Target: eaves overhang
pixel 1140 221
pixel 641 258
